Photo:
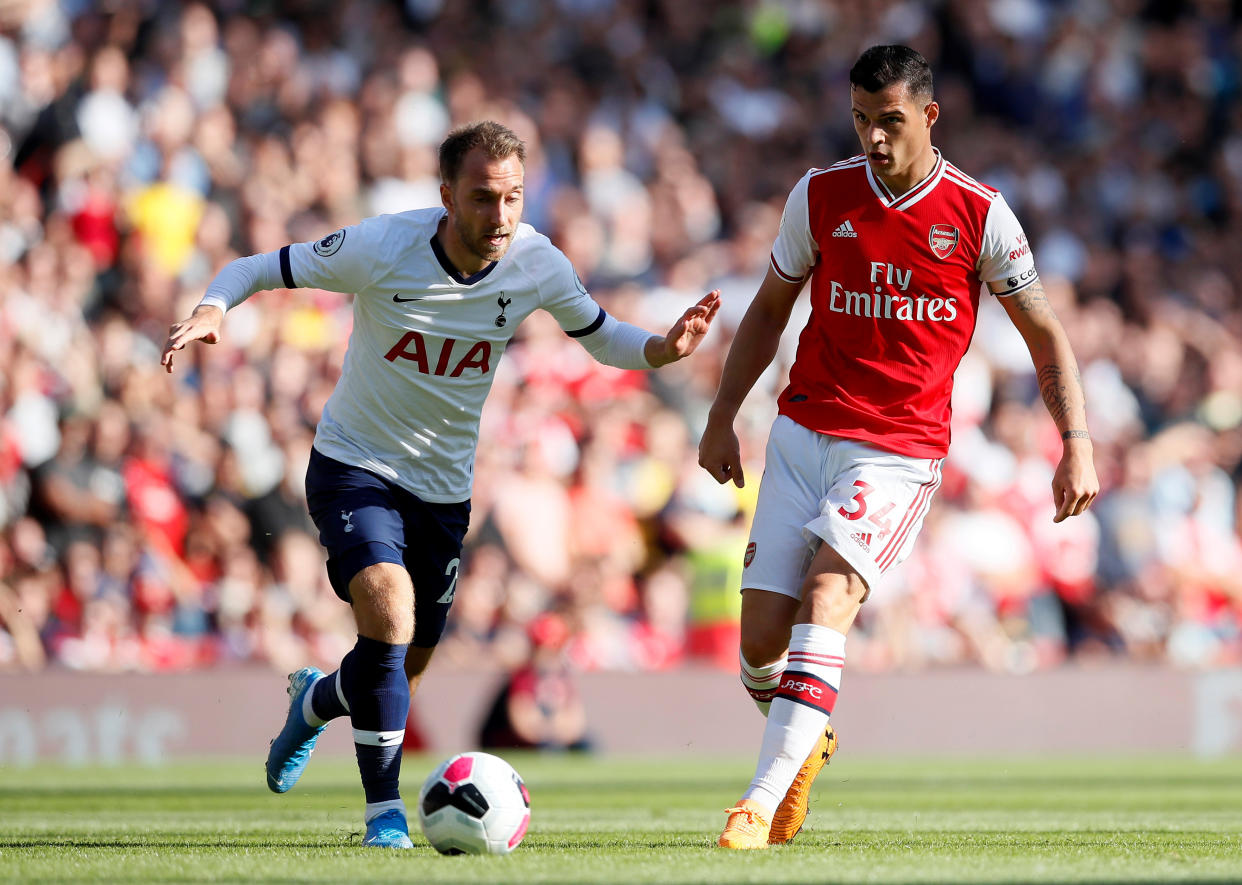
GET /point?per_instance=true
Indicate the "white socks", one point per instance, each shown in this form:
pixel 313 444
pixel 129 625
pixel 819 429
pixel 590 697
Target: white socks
pixel 374 809
pixel 761 682
pixel 799 710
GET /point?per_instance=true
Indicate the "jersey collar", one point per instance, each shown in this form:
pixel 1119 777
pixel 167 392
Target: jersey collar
pixel 912 196
pixel 452 271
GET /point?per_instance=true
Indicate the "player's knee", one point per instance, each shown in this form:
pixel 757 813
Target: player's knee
pixel 766 620
pixel 383 598
pixel 761 647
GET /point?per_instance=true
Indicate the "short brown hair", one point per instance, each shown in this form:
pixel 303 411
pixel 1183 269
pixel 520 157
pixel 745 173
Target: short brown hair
pixel 495 139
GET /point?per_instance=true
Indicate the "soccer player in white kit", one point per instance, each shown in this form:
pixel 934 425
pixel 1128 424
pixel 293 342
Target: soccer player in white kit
pixel 438 295
pixel 897 244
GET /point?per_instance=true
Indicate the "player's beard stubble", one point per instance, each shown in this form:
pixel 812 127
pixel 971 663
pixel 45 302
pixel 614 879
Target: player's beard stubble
pixel 478 242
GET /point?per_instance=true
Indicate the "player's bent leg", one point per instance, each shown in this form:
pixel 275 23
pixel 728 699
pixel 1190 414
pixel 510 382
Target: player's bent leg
pixel 767 617
pixel 377 692
pixel 377 598
pixel 791 814
pixel 292 747
pixel 798 740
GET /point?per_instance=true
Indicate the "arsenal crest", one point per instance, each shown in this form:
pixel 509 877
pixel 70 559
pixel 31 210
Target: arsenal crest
pixel 943 240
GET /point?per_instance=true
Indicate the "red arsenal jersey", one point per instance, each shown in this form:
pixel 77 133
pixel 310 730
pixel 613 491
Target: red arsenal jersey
pixel 895 283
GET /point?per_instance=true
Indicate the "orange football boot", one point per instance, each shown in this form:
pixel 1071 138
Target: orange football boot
pixel 747 827
pixel 791 813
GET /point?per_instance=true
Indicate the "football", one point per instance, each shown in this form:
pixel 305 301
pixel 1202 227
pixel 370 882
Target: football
pixel 474 803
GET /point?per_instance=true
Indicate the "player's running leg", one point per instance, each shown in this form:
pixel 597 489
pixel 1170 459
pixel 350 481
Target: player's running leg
pixel 790 815
pixel 798 719
pixel 291 749
pixel 765 616
pixel 378 696
pixel 766 620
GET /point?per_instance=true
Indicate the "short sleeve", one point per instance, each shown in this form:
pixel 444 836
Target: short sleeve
pixel 795 251
pixel 564 296
pixel 1005 256
pixel 346 260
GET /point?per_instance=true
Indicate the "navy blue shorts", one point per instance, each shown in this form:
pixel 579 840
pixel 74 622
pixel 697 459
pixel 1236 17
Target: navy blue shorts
pixel 364 519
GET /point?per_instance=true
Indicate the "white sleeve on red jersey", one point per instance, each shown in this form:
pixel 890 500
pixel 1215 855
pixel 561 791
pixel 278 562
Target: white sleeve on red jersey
pixel 795 251
pixel 1005 255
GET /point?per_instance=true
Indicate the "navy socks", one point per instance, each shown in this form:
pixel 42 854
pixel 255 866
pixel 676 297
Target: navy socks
pixel 371 688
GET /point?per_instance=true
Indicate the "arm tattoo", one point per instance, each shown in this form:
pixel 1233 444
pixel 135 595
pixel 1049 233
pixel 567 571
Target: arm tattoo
pixel 1055 391
pixel 1033 300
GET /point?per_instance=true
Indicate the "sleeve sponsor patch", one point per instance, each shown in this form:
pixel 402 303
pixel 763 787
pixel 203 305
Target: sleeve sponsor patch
pixel 330 244
pixel 1018 281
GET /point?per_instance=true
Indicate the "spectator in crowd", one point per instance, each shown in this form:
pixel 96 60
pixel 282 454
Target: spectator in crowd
pixel 147 525
pixel 538 706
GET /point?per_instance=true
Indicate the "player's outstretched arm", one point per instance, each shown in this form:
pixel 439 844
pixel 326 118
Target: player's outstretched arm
pixel 202 325
pixel 337 263
pixel 684 337
pixel 753 348
pixel 1074 484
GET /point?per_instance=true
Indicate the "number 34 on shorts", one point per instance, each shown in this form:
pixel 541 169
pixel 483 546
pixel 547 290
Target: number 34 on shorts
pixel 867 504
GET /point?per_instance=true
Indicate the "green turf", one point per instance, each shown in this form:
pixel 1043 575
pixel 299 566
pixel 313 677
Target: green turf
pixel 627 820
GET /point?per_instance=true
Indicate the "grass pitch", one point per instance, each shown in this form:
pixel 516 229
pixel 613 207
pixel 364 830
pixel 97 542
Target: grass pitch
pixel 611 820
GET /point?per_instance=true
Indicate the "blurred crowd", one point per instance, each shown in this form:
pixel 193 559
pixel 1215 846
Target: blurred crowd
pixel 156 522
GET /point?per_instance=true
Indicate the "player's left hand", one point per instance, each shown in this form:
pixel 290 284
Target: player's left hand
pixel 1074 485
pixel 684 337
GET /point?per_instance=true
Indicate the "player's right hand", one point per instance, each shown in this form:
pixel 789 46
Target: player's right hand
pixel 720 454
pixel 202 325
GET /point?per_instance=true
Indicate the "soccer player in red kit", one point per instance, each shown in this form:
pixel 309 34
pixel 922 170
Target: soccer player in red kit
pixel 897 244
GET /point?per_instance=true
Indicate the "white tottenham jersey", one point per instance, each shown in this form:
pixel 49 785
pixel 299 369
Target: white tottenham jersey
pixel 426 341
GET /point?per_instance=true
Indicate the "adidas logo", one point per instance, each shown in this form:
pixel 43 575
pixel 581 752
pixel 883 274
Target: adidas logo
pixel 862 539
pixel 845 229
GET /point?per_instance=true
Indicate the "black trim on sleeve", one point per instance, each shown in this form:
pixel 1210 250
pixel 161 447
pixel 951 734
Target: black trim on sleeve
pixel 1017 283
pixel 286 271
pixel 599 321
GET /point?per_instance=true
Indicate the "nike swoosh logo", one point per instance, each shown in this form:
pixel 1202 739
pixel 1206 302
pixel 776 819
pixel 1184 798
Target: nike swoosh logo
pixel 400 300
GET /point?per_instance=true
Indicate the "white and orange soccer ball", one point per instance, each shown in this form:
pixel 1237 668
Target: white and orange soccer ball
pixel 474 803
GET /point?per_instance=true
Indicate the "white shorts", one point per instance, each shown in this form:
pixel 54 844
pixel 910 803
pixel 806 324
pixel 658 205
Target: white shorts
pixel 867 504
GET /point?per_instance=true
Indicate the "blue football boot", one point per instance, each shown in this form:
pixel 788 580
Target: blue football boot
pixel 291 750
pixel 388 830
